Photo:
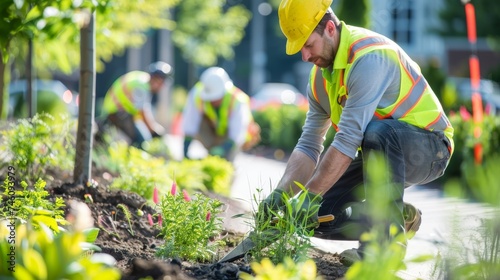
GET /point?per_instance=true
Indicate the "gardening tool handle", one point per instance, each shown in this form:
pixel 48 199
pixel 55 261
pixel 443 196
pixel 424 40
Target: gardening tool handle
pixel 321 219
pixel 326 218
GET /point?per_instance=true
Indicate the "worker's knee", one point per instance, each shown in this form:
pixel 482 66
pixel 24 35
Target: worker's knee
pixel 377 136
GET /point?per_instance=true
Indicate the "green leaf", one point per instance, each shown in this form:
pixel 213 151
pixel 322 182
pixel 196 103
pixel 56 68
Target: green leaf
pixel 41 211
pixel 52 260
pixel 46 220
pixel 422 258
pixel 90 246
pixel 34 263
pixel 23 273
pixel 91 234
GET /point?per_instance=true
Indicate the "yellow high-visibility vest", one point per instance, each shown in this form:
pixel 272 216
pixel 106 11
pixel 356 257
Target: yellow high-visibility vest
pixel 119 96
pixel 221 121
pixel 417 104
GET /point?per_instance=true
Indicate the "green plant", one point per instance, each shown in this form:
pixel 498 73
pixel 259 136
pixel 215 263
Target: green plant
pixel 219 174
pixel 32 204
pixel 157 147
pixel 33 145
pixel 188 225
pixel 465 141
pixel 282 235
pixel 128 216
pixel 41 254
pixel 139 171
pixel 211 173
pixel 109 223
pixel 280 127
pixel 287 270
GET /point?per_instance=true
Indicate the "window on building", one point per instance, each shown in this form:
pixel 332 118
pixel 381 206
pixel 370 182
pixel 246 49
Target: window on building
pixel 403 17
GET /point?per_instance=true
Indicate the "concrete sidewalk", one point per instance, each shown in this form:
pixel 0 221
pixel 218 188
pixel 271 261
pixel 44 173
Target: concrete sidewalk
pixel 254 173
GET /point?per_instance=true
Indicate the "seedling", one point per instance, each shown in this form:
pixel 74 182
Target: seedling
pixel 107 224
pixel 291 236
pixel 128 216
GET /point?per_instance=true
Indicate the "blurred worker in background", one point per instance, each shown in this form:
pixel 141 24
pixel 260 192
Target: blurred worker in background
pixel 374 95
pixel 127 104
pixel 218 114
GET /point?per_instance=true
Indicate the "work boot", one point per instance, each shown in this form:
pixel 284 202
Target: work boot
pixel 413 218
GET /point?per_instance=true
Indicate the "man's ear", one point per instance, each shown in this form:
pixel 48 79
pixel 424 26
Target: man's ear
pixel 330 28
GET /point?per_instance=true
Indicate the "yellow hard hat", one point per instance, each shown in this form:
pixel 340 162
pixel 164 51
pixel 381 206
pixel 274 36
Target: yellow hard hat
pixel 298 18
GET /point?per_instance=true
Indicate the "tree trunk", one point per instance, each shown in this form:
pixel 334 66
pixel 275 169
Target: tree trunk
pixel 31 92
pixel 84 136
pixel 3 94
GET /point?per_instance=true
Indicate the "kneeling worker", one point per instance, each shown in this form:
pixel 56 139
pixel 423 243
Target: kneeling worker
pixel 218 114
pixel 127 104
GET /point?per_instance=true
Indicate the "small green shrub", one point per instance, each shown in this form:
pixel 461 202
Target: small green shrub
pixel 188 224
pixel 141 172
pixel 157 147
pixel 465 141
pixel 41 254
pixel 219 173
pixel 34 145
pixel 280 127
pixel 32 204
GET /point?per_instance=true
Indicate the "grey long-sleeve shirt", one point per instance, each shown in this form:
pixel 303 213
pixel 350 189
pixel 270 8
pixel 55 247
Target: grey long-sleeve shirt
pixel 374 82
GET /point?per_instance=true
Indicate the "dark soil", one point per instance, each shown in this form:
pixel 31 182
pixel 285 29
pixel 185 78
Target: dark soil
pixel 135 254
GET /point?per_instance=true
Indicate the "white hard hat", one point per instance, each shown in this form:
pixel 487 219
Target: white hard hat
pixel 216 83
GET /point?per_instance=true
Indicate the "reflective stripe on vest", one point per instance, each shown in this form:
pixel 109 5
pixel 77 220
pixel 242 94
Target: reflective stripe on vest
pixel 119 97
pixel 220 122
pixel 416 103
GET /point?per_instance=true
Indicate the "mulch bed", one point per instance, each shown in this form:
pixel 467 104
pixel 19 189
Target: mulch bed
pixel 135 255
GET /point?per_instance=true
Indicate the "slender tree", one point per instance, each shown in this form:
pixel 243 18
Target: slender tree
pixel 83 157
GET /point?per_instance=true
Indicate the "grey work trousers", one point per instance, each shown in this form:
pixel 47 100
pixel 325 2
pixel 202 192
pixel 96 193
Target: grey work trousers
pixel 414 157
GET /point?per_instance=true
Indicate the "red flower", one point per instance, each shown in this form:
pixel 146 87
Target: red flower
pixel 160 221
pixel 173 190
pixel 186 195
pixel 150 220
pixel 207 218
pixel 464 113
pixel 487 109
pixel 156 200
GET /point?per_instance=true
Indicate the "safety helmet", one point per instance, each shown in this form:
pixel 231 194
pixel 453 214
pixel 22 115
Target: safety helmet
pixel 160 69
pixel 216 83
pixel 298 19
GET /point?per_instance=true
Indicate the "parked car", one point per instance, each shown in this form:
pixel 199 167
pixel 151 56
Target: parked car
pixel 277 94
pixel 52 97
pixel 488 89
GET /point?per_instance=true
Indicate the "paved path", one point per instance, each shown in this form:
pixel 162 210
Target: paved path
pixel 438 211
